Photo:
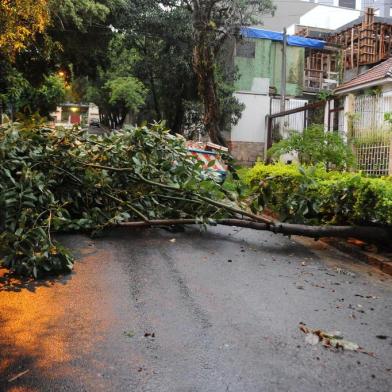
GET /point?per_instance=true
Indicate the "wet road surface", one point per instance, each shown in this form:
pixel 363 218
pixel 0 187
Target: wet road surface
pixel 196 312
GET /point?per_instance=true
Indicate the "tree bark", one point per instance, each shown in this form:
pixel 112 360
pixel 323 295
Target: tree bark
pixel 366 233
pixel 204 66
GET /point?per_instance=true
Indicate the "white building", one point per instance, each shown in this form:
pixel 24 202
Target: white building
pixel 69 114
pixel 327 14
pixel 325 17
pixel 383 7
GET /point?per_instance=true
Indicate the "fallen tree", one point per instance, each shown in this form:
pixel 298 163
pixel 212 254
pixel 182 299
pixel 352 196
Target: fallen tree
pixel 365 233
pixel 55 180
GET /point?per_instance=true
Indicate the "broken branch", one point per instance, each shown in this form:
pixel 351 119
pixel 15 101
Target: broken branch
pixel 364 233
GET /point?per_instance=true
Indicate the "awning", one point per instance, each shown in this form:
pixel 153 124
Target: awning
pixel 292 40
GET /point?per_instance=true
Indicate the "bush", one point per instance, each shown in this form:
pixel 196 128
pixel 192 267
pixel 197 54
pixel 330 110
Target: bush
pixel 315 146
pixel 314 196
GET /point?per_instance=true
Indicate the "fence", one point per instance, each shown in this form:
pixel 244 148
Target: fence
pixel 297 116
pixel 371 135
pixel 363 126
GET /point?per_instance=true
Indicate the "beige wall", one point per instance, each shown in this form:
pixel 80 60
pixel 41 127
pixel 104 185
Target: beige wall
pixel 247 153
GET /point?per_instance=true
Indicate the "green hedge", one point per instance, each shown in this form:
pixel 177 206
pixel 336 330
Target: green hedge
pixel 314 196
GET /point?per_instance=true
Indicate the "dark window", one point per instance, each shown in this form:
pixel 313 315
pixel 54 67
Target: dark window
pixel 347 3
pixel 246 49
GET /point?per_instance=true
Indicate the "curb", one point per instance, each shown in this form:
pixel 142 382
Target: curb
pixel 383 263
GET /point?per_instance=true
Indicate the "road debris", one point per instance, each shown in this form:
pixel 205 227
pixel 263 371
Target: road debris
pixel 18 375
pixel 366 296
pixel 129 334
pixel 345 272
pixel 331 340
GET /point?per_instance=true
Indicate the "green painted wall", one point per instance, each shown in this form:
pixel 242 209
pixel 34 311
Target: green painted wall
pixel 268 64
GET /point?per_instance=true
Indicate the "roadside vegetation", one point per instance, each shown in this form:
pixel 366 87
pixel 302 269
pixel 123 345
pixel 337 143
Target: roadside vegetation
pixel 313 195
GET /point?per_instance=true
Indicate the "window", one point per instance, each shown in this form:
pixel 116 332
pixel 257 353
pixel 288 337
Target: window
pixel 246 49
pixel 347 3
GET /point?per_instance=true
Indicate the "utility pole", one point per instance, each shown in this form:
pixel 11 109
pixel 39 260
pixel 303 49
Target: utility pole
pixel 283 76
pixel 283 80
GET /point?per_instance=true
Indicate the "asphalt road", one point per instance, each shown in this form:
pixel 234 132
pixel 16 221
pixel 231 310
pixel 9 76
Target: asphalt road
pixel 202 312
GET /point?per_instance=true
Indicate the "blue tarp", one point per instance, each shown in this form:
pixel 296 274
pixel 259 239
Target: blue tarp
pixel 292 40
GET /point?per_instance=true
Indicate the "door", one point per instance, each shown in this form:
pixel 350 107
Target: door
pixel 75 118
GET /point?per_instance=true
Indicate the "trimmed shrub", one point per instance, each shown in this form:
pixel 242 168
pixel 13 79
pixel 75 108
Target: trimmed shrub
pixel 312 195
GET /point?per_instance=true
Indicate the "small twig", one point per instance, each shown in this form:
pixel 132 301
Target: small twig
pixel 49 224
pixel 70 174
pixel 18 375
pixel 180 199
pixel 129 205
pixel 257 218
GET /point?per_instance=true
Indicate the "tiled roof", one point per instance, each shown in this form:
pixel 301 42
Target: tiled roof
pixel 379 72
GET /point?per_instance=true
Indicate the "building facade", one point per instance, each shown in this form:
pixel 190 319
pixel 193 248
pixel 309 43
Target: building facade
pixel 258 57
pixel 69 114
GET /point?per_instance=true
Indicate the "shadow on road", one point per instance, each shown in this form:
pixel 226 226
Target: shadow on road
pixel 11 282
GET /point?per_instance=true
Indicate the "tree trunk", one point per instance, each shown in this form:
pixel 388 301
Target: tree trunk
pixel 366 233
pixel 204 66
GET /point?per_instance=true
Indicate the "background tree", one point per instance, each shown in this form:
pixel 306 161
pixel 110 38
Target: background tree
pixel 19 96
pixel 214 22
pixel 175 48
pixel 116 91
pixel 70 35
pixel 20 21
pixel 162 39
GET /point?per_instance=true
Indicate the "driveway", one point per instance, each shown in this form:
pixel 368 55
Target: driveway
pixel 196 311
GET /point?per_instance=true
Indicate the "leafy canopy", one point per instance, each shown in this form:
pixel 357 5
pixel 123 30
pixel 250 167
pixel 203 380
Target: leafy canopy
pixel 116 91
pixel 20 21
pixel 126 91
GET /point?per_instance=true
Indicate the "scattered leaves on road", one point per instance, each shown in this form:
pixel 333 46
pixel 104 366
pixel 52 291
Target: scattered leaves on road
pixel 129 334
pixel 331 340
pixel 344 272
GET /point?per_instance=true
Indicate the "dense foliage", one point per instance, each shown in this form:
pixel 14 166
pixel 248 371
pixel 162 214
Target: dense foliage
pixel 20 21
pixel 115 90
pixel 315 146
pixel 314 196
pixel 55 180
pixel 40 38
